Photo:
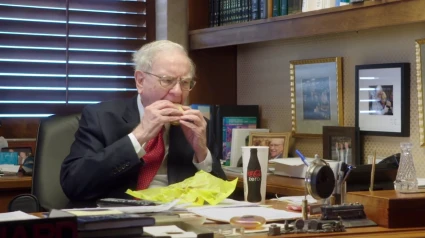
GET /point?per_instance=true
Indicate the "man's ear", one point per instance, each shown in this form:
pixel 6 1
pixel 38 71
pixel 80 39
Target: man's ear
pixel 139 78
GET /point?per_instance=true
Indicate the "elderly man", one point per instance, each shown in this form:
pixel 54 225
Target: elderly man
pixel 276 148
pixel 130 144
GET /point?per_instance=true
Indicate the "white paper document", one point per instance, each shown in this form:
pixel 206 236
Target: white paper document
pixel 225 214
pixel 172 231
pixel 226 203
pixel 9 168
pixel 15 216
pixel 297 199
pixel 133 209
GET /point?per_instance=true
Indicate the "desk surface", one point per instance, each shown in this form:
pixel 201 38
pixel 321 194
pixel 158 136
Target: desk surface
pixel 276 184
pixel 15 182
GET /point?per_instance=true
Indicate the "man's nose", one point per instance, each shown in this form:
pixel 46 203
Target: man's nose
pixel 177 88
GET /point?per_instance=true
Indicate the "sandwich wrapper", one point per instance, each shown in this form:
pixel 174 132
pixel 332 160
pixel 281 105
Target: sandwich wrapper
pixel 200 188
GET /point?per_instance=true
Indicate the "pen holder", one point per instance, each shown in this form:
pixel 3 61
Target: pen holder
pixel 343 190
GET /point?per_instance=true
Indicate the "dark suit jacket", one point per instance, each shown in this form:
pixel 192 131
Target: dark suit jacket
pixel 103 162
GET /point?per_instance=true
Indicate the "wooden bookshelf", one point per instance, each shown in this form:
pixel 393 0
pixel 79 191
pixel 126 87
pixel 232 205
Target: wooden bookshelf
pixel 353 17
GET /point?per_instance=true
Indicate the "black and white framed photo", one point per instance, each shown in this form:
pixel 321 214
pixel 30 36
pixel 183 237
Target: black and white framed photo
pixel 382 99
pixel 341 144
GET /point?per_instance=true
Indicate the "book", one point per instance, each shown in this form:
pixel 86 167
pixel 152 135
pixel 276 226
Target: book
pixel 112 221
pixel 218 112
pixel 234 122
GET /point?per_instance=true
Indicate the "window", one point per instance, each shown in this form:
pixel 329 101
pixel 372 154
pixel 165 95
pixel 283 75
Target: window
pixel 58 55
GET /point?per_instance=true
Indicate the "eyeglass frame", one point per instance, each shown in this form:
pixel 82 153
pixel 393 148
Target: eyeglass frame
pixel 175 79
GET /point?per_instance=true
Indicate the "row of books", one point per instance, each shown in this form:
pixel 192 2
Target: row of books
pixel 225 12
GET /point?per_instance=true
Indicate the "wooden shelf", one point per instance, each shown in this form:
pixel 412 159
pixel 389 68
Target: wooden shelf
pixel 354 17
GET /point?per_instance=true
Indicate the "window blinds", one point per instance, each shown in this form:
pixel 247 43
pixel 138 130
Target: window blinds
pixel 58 55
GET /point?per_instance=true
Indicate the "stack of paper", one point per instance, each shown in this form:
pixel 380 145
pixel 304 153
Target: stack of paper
pixel 225 214
pixel 15 216
pixel 297 200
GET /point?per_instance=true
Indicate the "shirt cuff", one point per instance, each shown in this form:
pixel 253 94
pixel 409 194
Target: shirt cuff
pixel 140 151
pixel 205 165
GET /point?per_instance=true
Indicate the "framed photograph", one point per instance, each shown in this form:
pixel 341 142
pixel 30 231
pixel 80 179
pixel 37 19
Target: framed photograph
pixel 278 143
pixel 316 95
pixel 420 79
pixel 341 144
pixel 383 99
pixel 23 152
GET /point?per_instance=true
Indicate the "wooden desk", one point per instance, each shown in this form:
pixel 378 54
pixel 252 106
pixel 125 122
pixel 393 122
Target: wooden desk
pixel 11 186
pixel 284 186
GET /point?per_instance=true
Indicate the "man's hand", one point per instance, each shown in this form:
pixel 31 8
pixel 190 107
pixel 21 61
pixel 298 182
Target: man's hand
pixel 155 116
pixel 194 127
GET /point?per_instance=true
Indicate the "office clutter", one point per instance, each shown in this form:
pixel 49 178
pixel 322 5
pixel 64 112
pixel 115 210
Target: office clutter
pixel 224 118
pixel 198 189
pixel 15 159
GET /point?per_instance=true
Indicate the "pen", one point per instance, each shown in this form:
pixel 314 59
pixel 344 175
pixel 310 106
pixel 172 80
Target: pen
pixel 350 167
pixel 302 157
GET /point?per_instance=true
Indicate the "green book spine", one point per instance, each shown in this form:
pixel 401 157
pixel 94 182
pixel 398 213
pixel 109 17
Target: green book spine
pixel 283 7
pixel 276 7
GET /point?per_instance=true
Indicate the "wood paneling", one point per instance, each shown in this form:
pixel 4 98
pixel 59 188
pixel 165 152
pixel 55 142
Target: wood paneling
pixel 12 186
pixel 19 127
pixel 353 17
pixel 198 14
pixel 23 143
pixel 216 76
pixel 150 21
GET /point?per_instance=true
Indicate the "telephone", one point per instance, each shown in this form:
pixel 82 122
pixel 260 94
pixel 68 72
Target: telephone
pixel 385 174
pixel 392 159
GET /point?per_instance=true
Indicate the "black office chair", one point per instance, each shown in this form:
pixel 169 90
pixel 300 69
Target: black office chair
pixel 54 139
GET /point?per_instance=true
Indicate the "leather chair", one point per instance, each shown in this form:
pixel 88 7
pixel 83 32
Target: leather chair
pixel 54 139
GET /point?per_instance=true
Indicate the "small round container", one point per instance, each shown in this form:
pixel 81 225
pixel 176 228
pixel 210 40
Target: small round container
pixel 248 222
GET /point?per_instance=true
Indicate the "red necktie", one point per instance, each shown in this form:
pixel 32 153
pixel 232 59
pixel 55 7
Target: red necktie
pixel 155 151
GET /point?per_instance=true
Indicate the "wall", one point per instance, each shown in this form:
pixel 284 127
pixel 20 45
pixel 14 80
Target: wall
pixel 172 21
pixel 263 78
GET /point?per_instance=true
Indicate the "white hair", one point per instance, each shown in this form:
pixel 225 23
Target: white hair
pixel 144 57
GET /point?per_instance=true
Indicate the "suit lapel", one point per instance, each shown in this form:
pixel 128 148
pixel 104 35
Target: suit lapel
pixel 131 113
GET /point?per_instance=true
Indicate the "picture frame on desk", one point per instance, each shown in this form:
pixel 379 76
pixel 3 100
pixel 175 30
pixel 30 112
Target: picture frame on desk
pixel 23 152
pixel 278 143
pixel 316 95
pixel 341 144
pixel 383 99
pixel 420 84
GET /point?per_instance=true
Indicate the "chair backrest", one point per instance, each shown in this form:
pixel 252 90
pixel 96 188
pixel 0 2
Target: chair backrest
pixel 25 202
pixel 54 140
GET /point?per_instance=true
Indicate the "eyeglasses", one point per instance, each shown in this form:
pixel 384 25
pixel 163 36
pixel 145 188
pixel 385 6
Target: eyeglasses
pixel 274 145
pixel 168 82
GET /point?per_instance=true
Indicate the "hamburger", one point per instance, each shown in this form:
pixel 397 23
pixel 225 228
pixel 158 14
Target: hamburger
pixel 178 106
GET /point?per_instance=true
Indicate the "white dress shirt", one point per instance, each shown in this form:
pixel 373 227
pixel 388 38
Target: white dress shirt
pixel 161 178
